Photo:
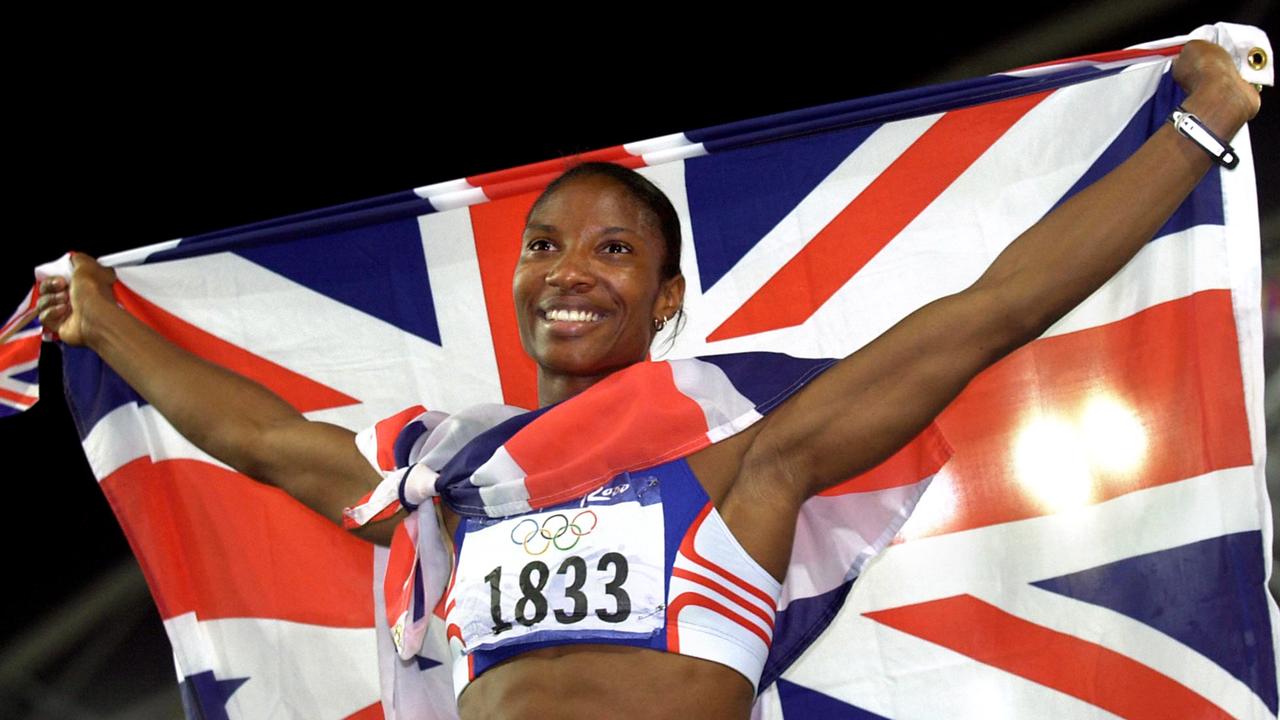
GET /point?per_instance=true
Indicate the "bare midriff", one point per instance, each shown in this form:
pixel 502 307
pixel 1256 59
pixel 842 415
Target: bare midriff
pixel 603 681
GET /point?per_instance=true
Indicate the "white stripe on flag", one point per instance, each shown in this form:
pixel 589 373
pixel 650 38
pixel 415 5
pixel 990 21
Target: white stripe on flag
pixel 501 485
pixel 1140 522
pixel 130 432
pixel 836 535
pixel 290 666
pixel 722 405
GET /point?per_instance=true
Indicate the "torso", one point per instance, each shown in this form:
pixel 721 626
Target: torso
pixel 591 680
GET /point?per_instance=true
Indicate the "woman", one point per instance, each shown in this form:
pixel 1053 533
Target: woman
pixel 596 277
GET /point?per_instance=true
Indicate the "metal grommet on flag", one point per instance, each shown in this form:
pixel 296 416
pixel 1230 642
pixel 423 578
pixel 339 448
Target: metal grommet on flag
pixel 1257 58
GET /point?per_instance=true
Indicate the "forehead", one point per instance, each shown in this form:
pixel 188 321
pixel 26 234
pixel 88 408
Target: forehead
pixel 594 201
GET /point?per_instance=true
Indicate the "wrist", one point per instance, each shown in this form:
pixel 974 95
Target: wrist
pixel 1224 105
pixel 98 317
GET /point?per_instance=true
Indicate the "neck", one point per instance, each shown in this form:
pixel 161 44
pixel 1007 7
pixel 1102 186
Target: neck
pixel 554 387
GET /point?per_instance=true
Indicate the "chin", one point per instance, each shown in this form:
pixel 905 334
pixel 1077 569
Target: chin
pixel 585 364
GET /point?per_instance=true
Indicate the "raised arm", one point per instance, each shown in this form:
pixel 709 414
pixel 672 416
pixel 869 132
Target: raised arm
pixel 873 402
pixel 230 417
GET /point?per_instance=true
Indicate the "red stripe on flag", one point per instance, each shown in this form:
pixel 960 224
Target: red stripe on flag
pixel 498 227
pixel 18 398
pixel 624 434
pixel 216 543
pixel 1168 377
pixel 615 154
pixel 1107 57
pixel 386 432
pixel 919 459
pixel 1076 667
pixel 397 581
pixel 536 183
pixel 21 351
pixel 875 217
pixel 301 392
pixel 373 712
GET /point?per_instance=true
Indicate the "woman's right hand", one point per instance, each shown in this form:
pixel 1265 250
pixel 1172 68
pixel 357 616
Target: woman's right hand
pixel 66 306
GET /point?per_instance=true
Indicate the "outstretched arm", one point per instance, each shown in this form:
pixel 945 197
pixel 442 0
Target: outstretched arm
pixel 230 417
pixel 873 402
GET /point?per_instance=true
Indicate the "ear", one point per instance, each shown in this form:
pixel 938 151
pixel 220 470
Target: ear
pixel 670 297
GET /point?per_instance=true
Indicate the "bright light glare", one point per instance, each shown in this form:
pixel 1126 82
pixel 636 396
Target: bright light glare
pixel 1057 457
pixel 1115 437
pixel 1051 463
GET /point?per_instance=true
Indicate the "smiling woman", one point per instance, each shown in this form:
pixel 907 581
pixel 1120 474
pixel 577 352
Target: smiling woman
pixel 597 275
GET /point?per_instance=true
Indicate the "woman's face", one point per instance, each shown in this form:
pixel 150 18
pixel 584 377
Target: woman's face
pixel 587 286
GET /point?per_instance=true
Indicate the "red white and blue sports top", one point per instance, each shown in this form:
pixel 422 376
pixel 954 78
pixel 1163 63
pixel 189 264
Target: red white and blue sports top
pixel 645 561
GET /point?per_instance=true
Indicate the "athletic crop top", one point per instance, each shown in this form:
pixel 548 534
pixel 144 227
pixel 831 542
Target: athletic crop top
pixel 644 561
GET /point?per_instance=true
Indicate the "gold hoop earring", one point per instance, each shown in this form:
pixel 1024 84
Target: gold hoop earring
pixel 658 324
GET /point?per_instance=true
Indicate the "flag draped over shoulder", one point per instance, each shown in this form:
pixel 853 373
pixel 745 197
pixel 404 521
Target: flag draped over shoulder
pixel 1098 543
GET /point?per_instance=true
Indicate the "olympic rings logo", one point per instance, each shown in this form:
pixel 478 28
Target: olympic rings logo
pixel 528 532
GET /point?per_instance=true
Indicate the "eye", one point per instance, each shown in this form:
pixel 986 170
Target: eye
pixel 539 245
pixel 616 247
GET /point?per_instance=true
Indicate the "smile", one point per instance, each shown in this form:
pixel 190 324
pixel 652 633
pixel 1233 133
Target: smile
pixel 571 316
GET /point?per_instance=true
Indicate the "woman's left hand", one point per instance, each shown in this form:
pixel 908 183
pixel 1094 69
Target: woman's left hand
pixel 1214 86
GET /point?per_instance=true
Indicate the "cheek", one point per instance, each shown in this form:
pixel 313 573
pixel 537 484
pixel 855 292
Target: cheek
pixel 523 284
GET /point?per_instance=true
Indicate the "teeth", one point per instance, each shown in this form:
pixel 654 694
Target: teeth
pixel 572 315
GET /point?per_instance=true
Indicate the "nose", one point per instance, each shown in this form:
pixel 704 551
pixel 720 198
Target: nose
pixel 571 273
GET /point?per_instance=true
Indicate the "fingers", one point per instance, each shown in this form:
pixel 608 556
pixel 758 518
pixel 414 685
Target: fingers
pixel 51 285
pixel 53 308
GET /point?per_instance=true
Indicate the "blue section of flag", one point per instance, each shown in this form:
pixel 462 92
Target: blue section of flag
pixel 796 627
pixel 375 209
pixel 6 411
pixel 92 388
pixel 462 496
pixel 379 269
pixel 736 198
pixel 204 696
pixel 1209 595
pixel 801 703
pixel 424 663
pixel 1203 207
pixel 349 216
pixel 405 442
pixel 28 376
pixel 766 379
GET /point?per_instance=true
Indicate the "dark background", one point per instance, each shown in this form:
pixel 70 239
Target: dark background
pixel 136 143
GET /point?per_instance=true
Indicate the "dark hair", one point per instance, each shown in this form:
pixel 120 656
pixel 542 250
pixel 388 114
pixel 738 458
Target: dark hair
pixel 641 189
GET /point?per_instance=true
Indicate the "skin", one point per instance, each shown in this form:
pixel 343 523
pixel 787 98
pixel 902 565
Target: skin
pixel 593 248
pixel 590 246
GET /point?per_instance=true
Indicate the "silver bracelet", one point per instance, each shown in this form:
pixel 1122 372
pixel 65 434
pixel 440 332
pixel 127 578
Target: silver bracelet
pixel 1195 130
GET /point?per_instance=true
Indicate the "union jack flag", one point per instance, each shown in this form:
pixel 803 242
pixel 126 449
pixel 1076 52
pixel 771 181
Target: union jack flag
pixel 1097 546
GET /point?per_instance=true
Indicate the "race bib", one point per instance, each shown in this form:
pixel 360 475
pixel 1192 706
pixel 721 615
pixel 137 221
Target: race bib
pixel 593 568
